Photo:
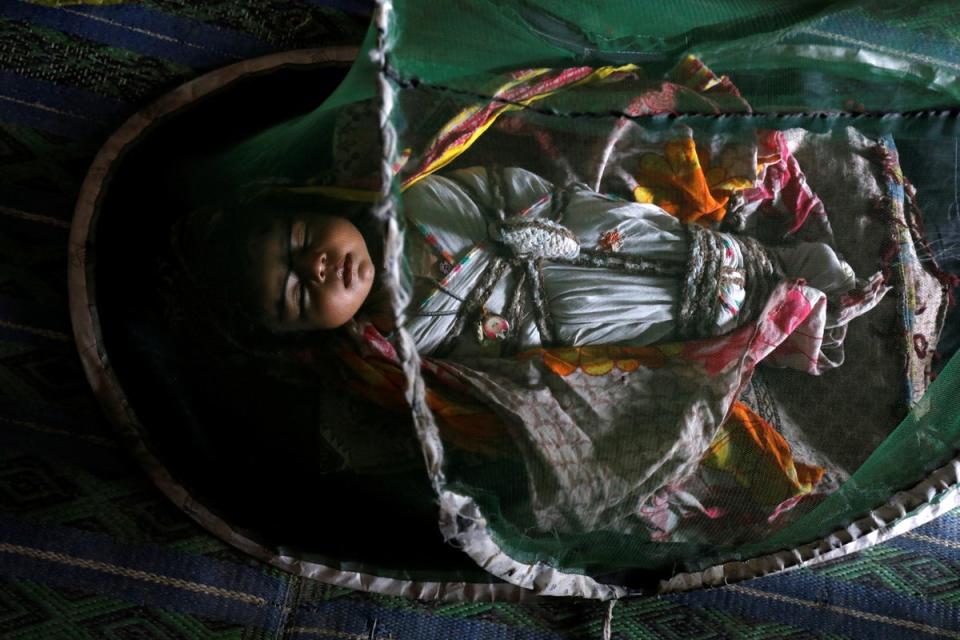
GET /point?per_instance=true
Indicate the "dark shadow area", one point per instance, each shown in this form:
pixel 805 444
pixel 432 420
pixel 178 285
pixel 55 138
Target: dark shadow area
pixel 247 445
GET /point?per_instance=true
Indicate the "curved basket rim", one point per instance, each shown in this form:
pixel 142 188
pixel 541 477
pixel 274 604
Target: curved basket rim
pixel 109 390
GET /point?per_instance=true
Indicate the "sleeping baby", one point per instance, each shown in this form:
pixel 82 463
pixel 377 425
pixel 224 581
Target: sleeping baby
pixel 500 256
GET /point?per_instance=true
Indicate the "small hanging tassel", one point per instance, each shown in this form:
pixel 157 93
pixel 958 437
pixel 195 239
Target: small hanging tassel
pixel 538 238
pixel 608 621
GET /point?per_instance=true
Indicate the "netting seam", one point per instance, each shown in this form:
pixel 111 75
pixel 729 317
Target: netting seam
pixel 415 392
pixel 919 114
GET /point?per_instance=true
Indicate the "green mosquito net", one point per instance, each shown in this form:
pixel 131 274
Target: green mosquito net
pixel 665 289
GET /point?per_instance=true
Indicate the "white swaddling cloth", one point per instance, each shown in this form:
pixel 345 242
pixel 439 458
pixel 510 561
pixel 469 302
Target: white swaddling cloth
pixel 450 218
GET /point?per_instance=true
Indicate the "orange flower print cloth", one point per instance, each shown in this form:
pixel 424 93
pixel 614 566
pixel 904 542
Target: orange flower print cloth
pixel 683 182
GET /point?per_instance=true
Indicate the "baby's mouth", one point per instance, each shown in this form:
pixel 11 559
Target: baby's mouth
pixel 345 272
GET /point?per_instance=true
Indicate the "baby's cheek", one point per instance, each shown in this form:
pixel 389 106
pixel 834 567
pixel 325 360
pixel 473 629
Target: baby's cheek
pixel 339 307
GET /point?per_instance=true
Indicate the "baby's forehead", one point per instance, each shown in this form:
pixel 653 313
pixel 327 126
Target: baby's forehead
pixel 265 262
pixel 267 226
pixel 273 219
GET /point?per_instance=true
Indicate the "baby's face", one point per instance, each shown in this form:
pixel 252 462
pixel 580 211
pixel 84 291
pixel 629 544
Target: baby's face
pixel 309 271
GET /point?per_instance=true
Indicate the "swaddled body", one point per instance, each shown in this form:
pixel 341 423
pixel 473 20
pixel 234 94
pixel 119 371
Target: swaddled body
pixel 504 255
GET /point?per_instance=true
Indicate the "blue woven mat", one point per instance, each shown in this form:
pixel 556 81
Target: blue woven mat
pixel 89 549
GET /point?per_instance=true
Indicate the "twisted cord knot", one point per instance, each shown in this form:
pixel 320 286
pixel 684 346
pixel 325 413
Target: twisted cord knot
pixel 535 239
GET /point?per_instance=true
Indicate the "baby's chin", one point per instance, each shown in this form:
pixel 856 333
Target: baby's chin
pixel 366 271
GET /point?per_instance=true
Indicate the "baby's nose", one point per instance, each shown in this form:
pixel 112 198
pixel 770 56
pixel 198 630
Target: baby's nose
pixel 313 265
